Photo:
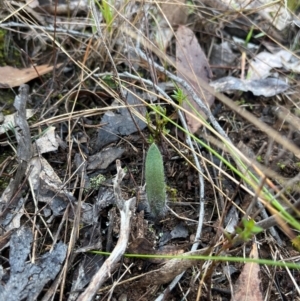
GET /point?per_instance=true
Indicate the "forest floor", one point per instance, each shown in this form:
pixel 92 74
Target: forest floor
pixel 86 87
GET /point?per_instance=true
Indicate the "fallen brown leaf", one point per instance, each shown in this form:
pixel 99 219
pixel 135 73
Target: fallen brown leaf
pixel 13 77
pixel 247 286
pixel 192 64
pixel 176 12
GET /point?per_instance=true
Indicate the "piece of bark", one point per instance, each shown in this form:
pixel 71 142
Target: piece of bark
pixel 27 280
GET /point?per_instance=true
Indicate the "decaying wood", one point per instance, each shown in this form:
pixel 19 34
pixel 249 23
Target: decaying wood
pixel 125 208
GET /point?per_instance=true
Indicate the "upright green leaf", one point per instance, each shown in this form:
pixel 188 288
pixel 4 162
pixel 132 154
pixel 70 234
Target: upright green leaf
pixel 155 181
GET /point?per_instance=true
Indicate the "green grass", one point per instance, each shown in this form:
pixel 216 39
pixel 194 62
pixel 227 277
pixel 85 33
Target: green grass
pixel 206 258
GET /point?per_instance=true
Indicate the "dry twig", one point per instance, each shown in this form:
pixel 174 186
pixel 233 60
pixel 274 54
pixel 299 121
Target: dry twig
pixel 126 208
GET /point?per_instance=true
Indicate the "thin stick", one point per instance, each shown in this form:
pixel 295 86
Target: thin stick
pixel 111 262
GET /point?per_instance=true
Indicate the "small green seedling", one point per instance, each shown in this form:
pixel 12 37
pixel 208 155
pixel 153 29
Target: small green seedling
pixel 179 95
pixel 249 36
pixel 155 182
pixel 248 230
pixel 160 122
pixel 259 159
pixel 281 165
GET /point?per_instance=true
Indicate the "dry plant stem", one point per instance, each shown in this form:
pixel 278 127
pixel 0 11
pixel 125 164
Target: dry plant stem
pixel 111 262
pixel 74 236
pixel 296 284
pixel 99 31
pixel 46 28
